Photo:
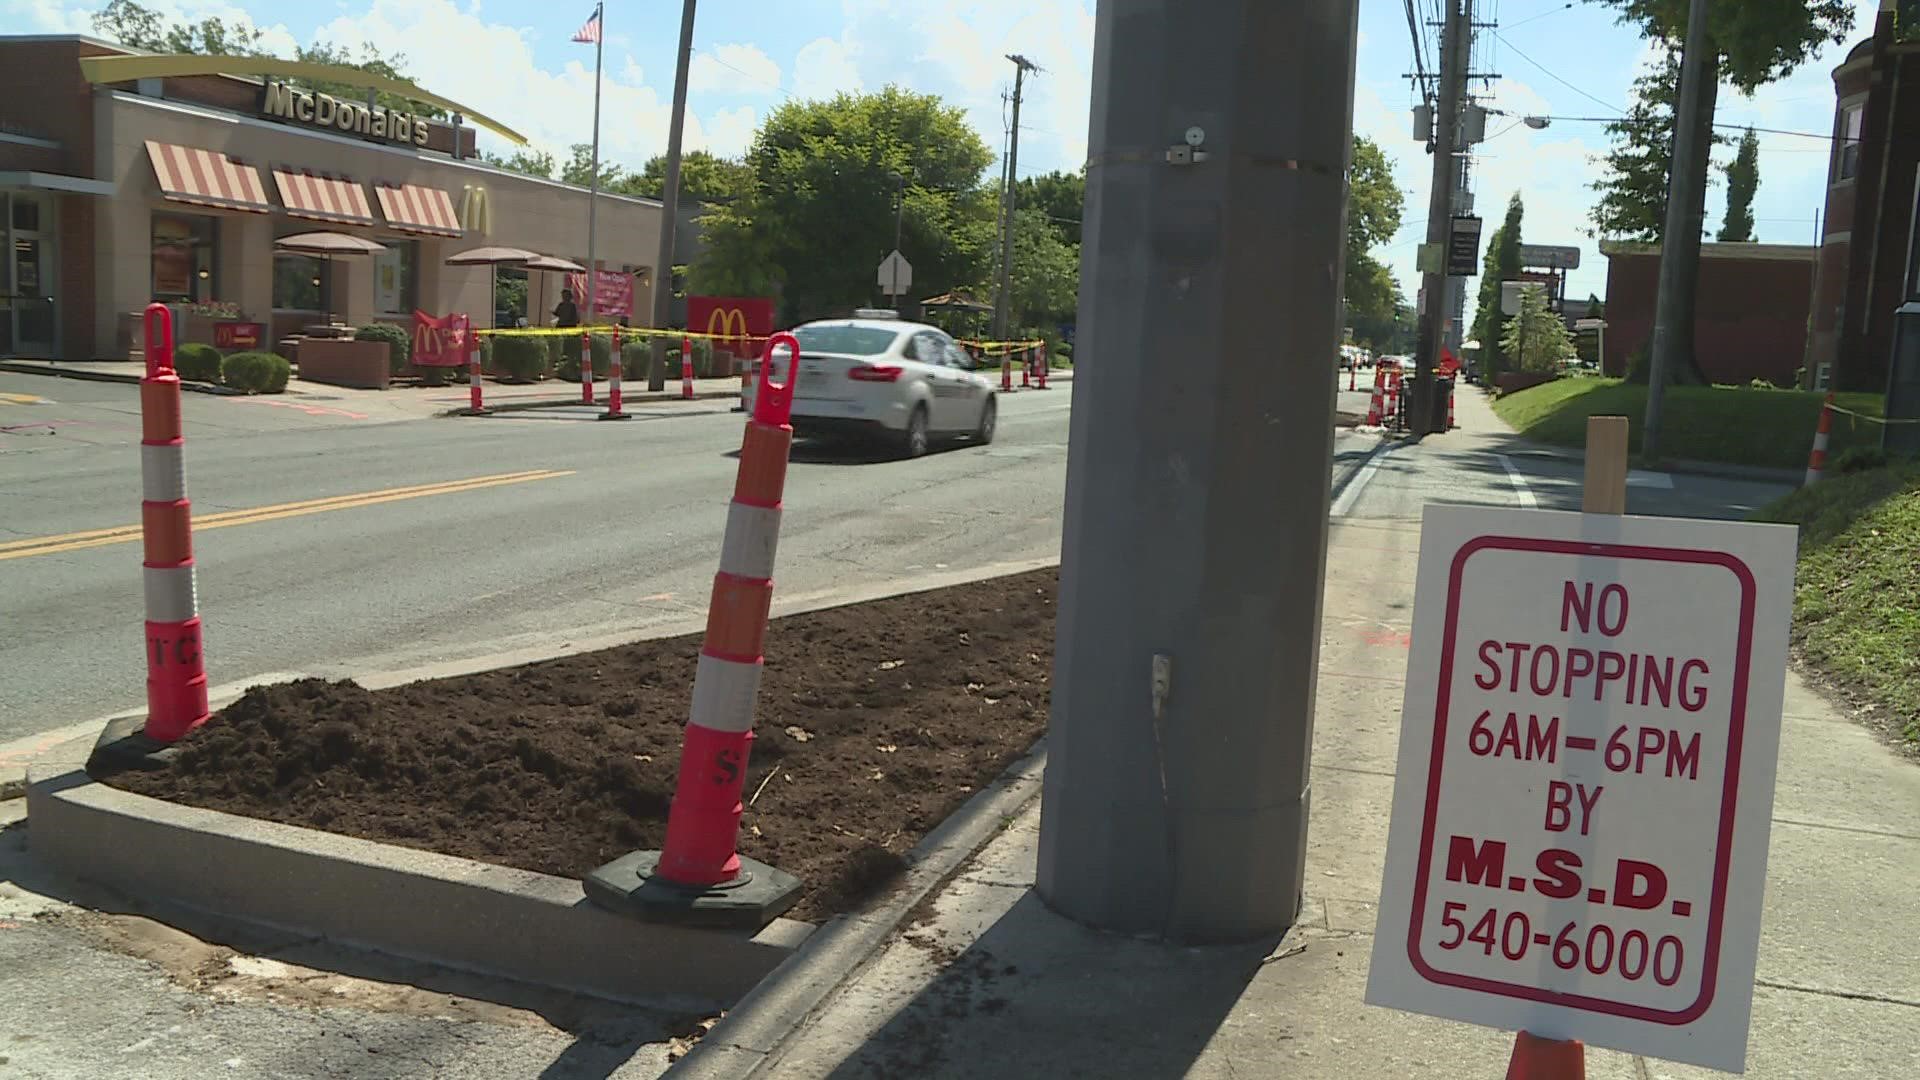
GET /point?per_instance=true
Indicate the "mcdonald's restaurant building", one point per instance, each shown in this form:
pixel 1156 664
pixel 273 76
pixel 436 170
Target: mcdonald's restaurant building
pixel 175 189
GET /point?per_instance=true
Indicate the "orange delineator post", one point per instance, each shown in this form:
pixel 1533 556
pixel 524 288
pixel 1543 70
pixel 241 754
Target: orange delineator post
pixel 703 825
pixel 614 411
pixel 686 369
pixel 475 405
pixel 1817 461
pixel 176 674
pixel 586 368
pixel 1006 372
pixel 1040 365
pixel 1026 368
pixel 1535 1058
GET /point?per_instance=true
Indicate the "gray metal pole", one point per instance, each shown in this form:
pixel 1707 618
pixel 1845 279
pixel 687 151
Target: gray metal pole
pixel 1002 301
pixel 1454 41
pixel 670 204
pixel 899 218
pixel 1175 799
pixel 593 191
pixel 1681 197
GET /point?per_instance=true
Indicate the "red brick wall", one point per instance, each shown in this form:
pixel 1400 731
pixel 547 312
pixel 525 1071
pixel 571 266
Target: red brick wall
pixel 1751 322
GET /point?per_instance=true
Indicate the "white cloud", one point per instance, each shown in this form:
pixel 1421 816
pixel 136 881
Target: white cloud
pixel 825 67
pixel 490 67
pixel 728 132
pixel 737 68
pixel 55 17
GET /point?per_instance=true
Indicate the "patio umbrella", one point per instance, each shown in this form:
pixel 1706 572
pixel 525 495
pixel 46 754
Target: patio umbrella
pixel 552 264
pixel 328 246
pixel 493 258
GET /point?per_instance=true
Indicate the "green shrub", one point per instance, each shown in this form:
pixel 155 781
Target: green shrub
pixel 199 363
pixel 522 359
pixel 399 344
pixel 565 351
pixel 634 357
pixel 1861 459
pixel 258 372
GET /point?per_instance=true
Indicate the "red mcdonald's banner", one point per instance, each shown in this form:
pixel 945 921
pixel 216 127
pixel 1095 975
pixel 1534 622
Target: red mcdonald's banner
pixel 742 322
pixel 616 294
pixel 439 342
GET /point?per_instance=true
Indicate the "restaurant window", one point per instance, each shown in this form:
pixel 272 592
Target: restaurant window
pixel 300 283
pixel 395 271
pixel 1851 119
pixel 184 246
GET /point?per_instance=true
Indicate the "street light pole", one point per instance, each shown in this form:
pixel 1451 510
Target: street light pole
pixel 1187 644
pixel 670 204
pixel 1003 301
pixel 899 217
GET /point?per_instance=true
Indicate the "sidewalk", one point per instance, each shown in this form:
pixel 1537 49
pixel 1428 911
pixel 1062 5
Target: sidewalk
pixel 989 983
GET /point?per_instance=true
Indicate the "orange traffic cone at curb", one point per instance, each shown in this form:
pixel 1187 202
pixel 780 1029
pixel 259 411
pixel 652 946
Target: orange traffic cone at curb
pixel 1535 1058
pixel 1817 461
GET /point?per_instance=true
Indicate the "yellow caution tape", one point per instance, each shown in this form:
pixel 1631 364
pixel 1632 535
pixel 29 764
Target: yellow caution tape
pixel 1871 419
pixel 629 332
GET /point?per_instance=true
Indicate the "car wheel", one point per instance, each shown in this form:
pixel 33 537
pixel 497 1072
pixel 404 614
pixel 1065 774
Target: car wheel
pixel 989 415
pixel 915 440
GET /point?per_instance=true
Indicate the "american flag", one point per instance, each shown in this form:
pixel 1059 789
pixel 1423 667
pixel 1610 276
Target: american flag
pixel 590 33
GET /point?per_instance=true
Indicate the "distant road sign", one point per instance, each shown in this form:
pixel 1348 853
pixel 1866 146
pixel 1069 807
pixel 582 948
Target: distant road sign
pixel 1548 257
pixel 896 274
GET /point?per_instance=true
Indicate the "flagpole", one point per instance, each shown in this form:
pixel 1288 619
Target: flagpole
pixel 593 190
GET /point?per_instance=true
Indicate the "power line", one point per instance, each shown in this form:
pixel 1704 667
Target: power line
pixel 1554 77
pixel 1556 11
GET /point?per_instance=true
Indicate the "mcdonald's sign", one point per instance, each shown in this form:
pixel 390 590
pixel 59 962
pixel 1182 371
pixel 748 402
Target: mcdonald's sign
pixel 439 342
pixel 740 323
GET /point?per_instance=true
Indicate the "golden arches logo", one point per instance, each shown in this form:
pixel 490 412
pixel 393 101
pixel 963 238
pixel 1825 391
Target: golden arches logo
pixel 427 339
pixel 721 326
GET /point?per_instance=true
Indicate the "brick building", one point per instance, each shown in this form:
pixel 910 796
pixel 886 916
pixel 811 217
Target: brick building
pixel 1870 247
pixel 1751 321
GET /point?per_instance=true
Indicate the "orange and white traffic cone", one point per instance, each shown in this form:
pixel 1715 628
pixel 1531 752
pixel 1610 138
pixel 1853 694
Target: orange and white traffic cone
pixel 615 404
pixel 1006 372
pixel 686 369
pixel 1535 1058
pixel 176 675
pixel 586 368
pixel 1817 461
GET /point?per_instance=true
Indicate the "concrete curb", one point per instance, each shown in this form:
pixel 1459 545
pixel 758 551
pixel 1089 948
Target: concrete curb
pixel 129 379
pixel 420 905
pixel 744 1041
pixel 530 406
pixel 1717 470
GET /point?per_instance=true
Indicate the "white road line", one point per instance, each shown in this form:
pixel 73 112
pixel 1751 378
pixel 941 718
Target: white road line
pixel 1345 503
pixel 1520 488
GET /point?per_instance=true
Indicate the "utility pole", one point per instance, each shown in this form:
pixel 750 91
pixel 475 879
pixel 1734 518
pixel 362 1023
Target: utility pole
pixel 670 204
pixel 1685 192
pixel 1002 301
pixel 1176 792
pixel 1455 37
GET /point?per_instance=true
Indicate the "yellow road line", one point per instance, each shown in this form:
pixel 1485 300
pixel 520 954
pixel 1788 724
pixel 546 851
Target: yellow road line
pixel 49 545
pixel 20 399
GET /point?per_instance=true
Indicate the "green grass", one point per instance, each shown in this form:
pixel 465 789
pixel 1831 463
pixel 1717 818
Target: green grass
pixel 1727 424
pixel 1856 602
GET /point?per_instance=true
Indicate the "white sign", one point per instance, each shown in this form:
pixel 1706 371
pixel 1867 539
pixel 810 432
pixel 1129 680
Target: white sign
pixel 1580 815
pixel 1510 292
pixel 1548 257
pixel 896 274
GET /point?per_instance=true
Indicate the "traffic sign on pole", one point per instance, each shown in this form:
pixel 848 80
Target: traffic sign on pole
pixel 1578 847
pixel 896 274
pixel 1549 257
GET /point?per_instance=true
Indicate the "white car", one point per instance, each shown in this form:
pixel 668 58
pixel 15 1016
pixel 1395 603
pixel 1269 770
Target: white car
pixel 903 381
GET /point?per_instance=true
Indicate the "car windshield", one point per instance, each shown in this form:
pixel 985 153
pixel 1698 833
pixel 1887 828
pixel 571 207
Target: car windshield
pixel 846 340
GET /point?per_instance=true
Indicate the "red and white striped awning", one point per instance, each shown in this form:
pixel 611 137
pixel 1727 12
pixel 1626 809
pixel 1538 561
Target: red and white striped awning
pixel 206 178
pixel 321 197
pixel 412 208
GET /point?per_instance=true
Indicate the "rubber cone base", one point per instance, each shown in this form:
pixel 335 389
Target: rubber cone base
pixel 1535 1058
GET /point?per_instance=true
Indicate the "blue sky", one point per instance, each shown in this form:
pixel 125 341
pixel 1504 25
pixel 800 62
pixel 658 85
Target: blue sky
pixel 513 60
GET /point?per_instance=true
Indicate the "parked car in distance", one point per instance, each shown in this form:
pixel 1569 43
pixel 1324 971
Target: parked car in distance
pixel 906 382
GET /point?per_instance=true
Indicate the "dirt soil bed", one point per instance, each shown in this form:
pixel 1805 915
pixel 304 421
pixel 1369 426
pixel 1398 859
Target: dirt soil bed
pixel 875 722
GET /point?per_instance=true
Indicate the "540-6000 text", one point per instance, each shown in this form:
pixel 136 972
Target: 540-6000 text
pixel 1599 950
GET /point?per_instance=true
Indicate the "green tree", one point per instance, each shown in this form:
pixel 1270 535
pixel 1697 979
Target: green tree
pixel 1045 282
pixel 1633 187
pixel 819 212
pixel 704 177
pixel 1061 196
pixel 1743 180
pixel 1536 338
pixel 525 161
pixel 371 60
pixel 1501 264
pixel 1375 208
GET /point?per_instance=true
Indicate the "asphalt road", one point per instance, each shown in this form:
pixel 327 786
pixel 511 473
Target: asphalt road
pixel 448 539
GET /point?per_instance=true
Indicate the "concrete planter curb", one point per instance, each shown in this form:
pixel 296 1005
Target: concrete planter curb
pixel 644 397
pixel 743 1042
pixel 420 905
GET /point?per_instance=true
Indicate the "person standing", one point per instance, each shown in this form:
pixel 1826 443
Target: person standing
pixel 565 314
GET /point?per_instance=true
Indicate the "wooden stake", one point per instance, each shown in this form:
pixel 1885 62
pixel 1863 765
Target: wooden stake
pixel 1606 483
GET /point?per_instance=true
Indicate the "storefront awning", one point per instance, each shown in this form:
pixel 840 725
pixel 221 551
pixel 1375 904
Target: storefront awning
pixel 73 185
pixel 412 208
pixel 320 197
pixel 204 178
